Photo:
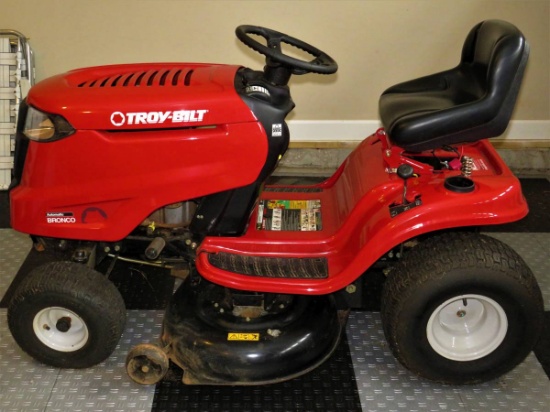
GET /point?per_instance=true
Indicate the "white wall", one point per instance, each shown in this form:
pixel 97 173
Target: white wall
pixel 376 42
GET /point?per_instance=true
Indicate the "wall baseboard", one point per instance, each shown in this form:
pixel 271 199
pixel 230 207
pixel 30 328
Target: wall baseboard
pixel 348 133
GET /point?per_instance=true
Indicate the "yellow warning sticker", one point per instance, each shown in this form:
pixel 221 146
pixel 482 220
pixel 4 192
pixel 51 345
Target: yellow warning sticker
pixel 243 336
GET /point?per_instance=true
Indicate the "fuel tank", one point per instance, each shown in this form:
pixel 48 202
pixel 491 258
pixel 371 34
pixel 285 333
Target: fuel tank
pixel 146 136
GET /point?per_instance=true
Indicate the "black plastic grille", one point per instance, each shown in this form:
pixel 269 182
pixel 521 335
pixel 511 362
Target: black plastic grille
pixel 21 146
pixel 297 268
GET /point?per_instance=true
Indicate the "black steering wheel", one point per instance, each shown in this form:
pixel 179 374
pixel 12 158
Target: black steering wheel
pixel 322 62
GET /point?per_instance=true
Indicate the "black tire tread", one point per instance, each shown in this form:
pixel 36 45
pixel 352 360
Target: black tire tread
pixel 433 258
pixel 64 278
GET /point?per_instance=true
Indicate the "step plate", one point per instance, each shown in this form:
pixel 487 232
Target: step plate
pixel 295 268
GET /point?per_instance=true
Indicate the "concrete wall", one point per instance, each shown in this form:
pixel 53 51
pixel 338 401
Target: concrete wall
pixel 376 42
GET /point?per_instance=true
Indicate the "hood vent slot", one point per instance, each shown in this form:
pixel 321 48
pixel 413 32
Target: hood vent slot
pixel 150 78
pixel 187 80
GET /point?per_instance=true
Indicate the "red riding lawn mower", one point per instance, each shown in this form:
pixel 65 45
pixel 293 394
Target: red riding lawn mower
pixel 166 164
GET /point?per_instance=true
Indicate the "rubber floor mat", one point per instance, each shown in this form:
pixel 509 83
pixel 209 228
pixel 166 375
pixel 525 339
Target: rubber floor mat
pixel 537 194
pixel 329 388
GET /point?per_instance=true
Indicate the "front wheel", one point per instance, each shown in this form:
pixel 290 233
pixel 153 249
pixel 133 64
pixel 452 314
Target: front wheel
pixel 461 308
pixel 67 315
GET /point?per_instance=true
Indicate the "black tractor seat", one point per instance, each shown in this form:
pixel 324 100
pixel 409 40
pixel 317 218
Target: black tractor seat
pixel 473 101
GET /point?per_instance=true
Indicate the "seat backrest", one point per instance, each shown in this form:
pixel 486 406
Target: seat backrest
pixel 498 49
pixel 474 100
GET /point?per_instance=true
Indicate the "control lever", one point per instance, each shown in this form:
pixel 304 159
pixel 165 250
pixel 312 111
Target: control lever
pixel 405 172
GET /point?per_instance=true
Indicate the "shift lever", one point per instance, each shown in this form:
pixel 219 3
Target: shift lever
pixel 405 171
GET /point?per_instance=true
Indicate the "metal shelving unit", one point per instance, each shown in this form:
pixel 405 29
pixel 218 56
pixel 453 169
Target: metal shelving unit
pixel 16 78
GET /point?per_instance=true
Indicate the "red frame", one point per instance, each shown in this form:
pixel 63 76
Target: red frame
pixel 127 174
pixel 357 227
pixel 109 178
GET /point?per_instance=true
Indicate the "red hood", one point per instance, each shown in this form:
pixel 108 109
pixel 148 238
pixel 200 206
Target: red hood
pixel 143 96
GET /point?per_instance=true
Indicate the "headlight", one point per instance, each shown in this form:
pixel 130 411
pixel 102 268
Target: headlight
pixel 43 127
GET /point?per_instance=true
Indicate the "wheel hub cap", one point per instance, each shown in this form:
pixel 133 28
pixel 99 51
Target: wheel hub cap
pixel 468 327
pixel 63 324
pixel 60 329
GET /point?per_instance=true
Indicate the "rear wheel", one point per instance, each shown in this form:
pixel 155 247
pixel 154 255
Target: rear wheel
pixel 461 308
pixel 67 315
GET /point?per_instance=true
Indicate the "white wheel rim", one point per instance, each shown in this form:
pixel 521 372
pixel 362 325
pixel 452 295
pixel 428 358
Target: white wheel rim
pixel 60 329
pixel 467 327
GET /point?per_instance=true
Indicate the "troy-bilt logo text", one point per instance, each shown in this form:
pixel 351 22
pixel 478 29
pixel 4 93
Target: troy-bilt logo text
pixel 178 116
